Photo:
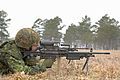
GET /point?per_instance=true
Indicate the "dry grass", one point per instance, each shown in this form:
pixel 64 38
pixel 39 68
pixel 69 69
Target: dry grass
pixel 101 67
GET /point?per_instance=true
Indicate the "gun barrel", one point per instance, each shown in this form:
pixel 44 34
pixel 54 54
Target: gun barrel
pixel 90 52
pixel 100 52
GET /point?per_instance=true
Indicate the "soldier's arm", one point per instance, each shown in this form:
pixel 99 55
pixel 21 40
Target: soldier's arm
pixel 16 63
pixel 18 66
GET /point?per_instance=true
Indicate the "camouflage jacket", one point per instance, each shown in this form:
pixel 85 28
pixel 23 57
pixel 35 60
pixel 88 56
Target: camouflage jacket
pixel 11 60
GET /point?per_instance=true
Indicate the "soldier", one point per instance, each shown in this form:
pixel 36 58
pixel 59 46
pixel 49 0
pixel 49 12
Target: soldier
pixel 11 57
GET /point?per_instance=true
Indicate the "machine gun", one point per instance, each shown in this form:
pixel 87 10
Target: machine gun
pixel 54 49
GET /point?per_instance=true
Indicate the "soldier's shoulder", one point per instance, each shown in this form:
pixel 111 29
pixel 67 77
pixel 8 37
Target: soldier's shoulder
pixel 7 42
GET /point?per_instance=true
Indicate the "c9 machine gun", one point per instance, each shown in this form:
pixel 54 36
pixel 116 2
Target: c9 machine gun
pixel 54 49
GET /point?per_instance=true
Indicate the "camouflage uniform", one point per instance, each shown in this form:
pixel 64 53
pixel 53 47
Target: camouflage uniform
pixel 11 60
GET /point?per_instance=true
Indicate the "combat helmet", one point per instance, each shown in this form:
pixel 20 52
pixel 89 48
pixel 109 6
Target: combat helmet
pixel 26 37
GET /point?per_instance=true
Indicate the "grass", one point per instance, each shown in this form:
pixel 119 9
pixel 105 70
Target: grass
pixel 101 67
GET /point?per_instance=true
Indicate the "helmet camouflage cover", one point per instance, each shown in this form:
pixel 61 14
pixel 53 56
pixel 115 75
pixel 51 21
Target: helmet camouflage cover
pixel 26 37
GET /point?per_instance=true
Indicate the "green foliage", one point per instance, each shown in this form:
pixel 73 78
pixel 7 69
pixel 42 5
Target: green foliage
pixel 81 33
pixel 3 26
pixel 104 34
pixel 37 26
pixel 52 29
pixel 107 32
pixel 49 29
pixel 84 31
pixel 71 34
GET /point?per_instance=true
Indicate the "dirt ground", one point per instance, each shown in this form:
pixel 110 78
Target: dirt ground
pixel 100 67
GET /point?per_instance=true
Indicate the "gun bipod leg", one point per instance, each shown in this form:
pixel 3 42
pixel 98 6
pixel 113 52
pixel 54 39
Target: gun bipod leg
pixel 85 66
